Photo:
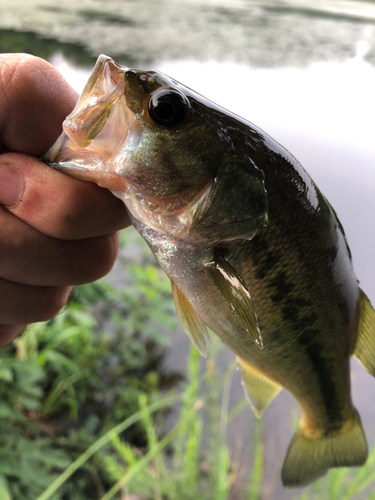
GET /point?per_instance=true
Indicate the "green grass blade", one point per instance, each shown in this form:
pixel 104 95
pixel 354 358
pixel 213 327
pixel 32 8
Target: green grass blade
pixel 304 496
pixel 256 477
pixel 162 403
pixel 364 476
pixel 238 408
pixel 144 461
pixel 190 465
pixel 152 442
pixel 4 491
pixel 124 450
pixel 186 450
pixel 222 480
pixel 335 481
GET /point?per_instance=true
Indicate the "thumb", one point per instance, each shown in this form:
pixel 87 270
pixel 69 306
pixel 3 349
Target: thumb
pixel 54 203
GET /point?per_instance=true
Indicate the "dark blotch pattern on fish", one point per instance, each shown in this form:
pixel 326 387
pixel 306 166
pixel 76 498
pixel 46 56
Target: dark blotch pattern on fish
pixel 308 339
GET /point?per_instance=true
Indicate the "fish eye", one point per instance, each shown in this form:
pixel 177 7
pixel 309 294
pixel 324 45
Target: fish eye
pixel 167 107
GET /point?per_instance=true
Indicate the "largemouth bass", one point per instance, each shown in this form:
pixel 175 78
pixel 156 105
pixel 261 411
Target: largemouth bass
pixel 253 249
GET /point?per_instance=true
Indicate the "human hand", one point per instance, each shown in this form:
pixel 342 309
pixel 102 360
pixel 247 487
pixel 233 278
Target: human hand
pixel 55 231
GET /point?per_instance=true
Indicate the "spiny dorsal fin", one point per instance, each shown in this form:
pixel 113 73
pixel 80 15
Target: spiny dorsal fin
pixel 236 294
pixel 190 321
pixel 259 389
pixel 312 452
pixel 365 346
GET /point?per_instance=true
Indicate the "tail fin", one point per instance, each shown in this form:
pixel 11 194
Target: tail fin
pixel 309 458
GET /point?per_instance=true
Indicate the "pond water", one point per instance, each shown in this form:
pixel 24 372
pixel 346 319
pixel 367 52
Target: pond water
pixel 305 75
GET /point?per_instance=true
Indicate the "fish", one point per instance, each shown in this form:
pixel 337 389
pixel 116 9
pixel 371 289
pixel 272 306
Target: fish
pixel 254 251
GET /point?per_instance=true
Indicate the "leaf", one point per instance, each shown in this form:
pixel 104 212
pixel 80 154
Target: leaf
pixel 4 491
pixel 6 374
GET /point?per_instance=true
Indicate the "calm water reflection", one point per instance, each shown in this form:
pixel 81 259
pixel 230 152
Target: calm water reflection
pixel 270 33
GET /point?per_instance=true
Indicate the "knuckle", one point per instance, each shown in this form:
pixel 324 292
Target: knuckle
pixel 100 258
pixel 24 304
pixel 53 301
pixel 9 333
pixel 24 71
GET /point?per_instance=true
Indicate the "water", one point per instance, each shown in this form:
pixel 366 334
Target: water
pixel 303 72
pixel 270 34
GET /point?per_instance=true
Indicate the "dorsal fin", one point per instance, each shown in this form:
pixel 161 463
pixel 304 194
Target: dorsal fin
pixel 190 321
pixel 259 389
pixel 365 346
pixel 236 294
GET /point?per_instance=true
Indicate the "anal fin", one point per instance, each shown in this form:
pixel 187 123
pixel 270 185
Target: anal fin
pixel 365 346
pixel 235 293
pixel 259 389
pixel 190 321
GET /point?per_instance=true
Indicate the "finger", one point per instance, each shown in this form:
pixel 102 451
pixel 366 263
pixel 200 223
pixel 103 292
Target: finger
pixel 34 101
pixel 9 333
pixel 23 304
pixel 56 204
pixel 30 257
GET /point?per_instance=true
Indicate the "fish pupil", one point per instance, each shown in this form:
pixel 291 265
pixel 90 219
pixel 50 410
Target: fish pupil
pixel 164 111
pixel 167 108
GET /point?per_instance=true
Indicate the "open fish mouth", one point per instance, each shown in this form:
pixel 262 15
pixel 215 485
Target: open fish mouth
pixel 96 130
pixel 99 138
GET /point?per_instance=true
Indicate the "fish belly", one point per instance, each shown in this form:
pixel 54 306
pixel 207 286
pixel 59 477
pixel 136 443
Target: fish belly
pixel 306 319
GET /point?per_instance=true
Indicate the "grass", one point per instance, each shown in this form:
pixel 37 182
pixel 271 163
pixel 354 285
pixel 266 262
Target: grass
pixel 107 437
pixel 189 459
pixel 192 460
pixel 175 465
pixel 344 483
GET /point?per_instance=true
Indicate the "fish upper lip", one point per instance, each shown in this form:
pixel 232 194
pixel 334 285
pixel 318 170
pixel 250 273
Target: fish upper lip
pixel 103 89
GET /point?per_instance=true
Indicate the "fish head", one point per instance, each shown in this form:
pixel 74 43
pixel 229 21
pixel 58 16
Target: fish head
pixel 153 142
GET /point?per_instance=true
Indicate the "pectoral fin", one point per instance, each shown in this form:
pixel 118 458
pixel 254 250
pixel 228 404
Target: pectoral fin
pixel 190 321
pixel 235 293
pixel 365 346
pixel 259 389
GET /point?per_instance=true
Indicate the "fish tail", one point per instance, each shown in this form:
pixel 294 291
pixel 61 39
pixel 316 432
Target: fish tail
pixel 311 452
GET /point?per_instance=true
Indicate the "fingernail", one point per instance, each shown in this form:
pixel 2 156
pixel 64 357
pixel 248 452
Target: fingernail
pixel 11 186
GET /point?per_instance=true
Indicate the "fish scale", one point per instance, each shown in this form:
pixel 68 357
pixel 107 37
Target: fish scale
pixel 254 251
